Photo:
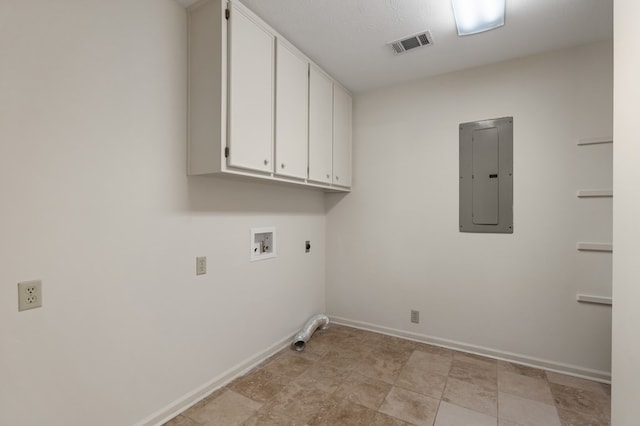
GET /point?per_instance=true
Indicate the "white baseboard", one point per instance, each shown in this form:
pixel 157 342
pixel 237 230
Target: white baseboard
pixel 181 404
pixel 572 370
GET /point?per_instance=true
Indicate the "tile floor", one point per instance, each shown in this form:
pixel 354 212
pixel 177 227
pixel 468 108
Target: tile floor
pixel 347 376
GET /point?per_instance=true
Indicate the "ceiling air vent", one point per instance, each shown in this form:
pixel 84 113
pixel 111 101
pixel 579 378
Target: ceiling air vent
pixel 411 42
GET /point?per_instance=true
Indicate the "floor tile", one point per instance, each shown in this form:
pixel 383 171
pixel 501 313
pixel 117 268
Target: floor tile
pixel 453 415
pixel 259 385
pixel 400 343
pixel 427 361
pixel 335 335
pixel 272 357
pixel 472 396
pixel 504 422
pixel 310 355
pixel 300 403
pixel 523 370
pixel 571 418
pixel 270 418
pixel 181 421
pixel 382 343
pixel 322 377
pixel 393 352
pixel 380 419
pixel 229 408
pixel 339 328
pixel 526 412
pixel 433 349
pixel 379 339
pixel 397 343
pixel 340 358
pixel 343 413
pixel 580 400
pixel 206 400
pixel 476 359
pixel 289 364
pixel 484 375
pixel 574 382
pixel 525 386
pixel 363 390
pixel 364 337
pixel 425 382
pixel 410 407
pixel 372 366
pixel 331 341
pixel 316 348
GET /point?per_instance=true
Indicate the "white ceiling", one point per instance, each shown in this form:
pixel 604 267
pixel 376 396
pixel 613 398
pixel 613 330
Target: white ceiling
pixel 348 37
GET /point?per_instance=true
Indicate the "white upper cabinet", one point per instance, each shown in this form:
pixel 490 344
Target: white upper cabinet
pixel 258 107
pixel 342 116
pixel 292 103
pixel 320 126
pixel 251 93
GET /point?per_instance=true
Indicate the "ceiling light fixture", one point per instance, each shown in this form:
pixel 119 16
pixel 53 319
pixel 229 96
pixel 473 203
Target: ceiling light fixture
pixel 476 16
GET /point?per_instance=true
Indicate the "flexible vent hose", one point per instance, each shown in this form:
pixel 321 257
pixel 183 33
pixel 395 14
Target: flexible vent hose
pixel 307 331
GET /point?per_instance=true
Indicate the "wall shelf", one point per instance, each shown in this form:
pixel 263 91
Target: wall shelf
pixel 594 141
pixel 599 300
pixel 593 193
pixel 606 247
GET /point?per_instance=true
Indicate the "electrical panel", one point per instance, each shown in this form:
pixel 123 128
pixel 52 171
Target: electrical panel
pixel 486 176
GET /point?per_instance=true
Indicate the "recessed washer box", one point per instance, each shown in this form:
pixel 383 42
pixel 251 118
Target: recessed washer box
pixel 263 243
pixel 486 176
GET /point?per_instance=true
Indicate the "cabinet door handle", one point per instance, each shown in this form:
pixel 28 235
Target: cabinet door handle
pixel 337 177
pixel 282 165
pixel 266 162
pixel 328 176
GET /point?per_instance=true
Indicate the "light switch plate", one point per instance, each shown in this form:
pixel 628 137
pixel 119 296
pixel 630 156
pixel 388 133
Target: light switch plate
pixel 201 265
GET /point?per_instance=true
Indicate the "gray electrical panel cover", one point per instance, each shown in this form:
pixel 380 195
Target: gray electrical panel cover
pixel 486 176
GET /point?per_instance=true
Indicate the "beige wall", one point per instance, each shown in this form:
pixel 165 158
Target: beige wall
pixel 96 203
pixel 393 243
pixel 626 230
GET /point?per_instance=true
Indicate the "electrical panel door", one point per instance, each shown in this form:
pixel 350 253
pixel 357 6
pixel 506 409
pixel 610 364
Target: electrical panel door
pixel 486 176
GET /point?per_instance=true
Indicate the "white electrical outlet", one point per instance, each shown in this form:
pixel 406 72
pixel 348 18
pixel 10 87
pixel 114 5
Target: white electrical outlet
pixel 29 295
pixel 415 316
pixel 201 265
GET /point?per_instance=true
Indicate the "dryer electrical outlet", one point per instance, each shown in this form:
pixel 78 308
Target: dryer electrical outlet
pixel 263 243
pixel 486 176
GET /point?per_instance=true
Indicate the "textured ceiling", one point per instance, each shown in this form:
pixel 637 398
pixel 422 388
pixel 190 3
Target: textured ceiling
pixel 348 37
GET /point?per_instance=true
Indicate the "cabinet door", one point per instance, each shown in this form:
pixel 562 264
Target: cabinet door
pixel 292 94
pixel 250 103
pixel 341 137
pixel 320 126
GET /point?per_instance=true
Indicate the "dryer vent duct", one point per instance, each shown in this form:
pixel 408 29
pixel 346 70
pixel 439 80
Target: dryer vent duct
pixel 411 42
pixel 300 340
